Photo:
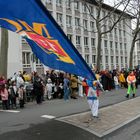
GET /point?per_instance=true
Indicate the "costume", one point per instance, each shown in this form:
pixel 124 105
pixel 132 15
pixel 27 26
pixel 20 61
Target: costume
pixel 131 80
pixel 92 98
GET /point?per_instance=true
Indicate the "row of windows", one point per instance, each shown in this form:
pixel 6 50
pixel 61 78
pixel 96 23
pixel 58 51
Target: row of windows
pixel 112 58
pixel 86 43
pixel 27 59
pixel 90 9
pixel 78 24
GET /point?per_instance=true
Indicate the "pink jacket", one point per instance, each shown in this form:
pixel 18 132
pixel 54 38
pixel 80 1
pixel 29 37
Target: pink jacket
pixel 4 94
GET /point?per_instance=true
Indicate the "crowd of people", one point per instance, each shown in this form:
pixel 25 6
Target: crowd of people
pixel 23 87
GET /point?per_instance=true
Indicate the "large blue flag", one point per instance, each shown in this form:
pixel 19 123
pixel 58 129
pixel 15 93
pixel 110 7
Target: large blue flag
pixel 31 19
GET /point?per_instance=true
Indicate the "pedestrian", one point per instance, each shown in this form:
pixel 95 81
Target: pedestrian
pixel 66 88
pixel 116 81
pixel 74 86
pixel 131 80
pixel 4 96
pixel 21 96
pixel 38 88
pixel 13 94
pixel 49 87
pixel 92 98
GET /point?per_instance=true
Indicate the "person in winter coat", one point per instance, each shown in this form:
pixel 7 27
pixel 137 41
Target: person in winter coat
pixel 74 86
pixel 116 81
pixel 21 96
pixel 13 94
pixel 4 96
pixel 49 87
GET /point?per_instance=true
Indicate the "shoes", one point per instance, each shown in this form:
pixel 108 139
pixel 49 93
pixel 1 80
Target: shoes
pixel 73 97
pixel 134 96
pixel 127 96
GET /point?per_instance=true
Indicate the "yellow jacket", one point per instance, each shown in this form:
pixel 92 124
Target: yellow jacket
pixel 121 78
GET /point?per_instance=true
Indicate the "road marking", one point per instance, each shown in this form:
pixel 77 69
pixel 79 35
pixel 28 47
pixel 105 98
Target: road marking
pixel 48 116
pixel 10 111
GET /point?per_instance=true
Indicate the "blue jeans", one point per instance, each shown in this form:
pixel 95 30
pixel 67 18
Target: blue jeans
pixel 116 87
pixel 66 93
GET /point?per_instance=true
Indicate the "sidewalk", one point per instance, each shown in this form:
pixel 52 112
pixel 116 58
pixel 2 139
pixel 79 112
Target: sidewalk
pixel 110 119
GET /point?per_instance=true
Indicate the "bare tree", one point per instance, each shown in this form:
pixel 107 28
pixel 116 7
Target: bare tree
pixel 4 52
pixel 134 10
pixel 100 20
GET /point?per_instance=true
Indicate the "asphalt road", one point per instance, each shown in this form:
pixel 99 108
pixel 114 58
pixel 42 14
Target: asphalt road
pixel 28 124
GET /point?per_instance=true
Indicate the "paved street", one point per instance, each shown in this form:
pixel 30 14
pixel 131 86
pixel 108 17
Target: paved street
pixel 42 121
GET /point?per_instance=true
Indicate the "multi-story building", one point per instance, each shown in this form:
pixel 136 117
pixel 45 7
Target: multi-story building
pixel 137 53
pixel 14 53
pixel 76 22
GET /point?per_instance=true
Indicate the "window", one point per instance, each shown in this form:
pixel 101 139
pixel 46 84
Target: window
pixel 68 4
pixel 91 10
pixel 86 41
pixel 38 63
pixel 103 13
pixel 92 26
pixel 105 43
pixel 106 59
pixel 93 58
pixel 84 8
pixel 68 21
pixel 124 33
pixel 111 45
pixel 105 28
pixel 77 22
pixel 112 59
pixel 26 59
pixel 120 32
pixel 116 45
pixel 76 5
pixel 120 46
pixel 87 58
pixel 117 59
pixel 69 37
pixel 59 18
pixel 125 46
pixel 78 40
pixel 59 3
pixel 101 60
pixel 92 42
pixel 121 59
pixel 85 24
pixel 115 31
pixel 125 59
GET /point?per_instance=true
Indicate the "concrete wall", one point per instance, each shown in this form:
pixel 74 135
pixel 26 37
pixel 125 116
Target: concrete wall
pixel 14 54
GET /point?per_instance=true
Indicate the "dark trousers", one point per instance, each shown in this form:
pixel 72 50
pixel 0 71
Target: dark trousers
pixel 13 102
pixel 5 104
pixel 21 103
pixel 38 99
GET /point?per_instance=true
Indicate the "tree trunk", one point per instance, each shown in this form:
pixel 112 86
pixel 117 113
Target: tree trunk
pixel 131 54
pixel 4 52
pixel 98 60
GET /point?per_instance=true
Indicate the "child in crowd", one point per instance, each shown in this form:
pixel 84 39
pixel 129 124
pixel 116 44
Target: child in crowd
pixel 116 81
pixel 21 96
pixel 49 88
